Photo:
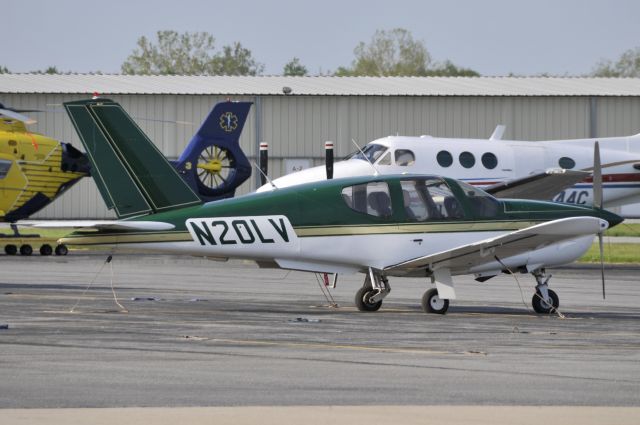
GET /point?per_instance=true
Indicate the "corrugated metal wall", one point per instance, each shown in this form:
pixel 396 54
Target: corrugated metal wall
pixel 298 126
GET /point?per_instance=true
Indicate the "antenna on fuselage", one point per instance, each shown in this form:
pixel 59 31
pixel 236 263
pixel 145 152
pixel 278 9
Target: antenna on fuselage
pixel 264 175
pixel 375 170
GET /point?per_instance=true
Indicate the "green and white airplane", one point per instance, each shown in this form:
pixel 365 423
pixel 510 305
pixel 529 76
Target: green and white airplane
pixel 382 226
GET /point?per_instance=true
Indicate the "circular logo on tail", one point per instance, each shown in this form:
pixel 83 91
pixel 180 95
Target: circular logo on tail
pixel 228 122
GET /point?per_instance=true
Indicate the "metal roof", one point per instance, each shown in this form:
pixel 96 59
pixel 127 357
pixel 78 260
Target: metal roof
pixel 317 86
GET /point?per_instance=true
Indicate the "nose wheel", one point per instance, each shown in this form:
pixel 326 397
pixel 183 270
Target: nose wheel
pixel 545 300
pixel 541 306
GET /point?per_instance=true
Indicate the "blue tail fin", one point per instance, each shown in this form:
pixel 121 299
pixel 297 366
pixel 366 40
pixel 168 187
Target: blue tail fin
pixel 213 164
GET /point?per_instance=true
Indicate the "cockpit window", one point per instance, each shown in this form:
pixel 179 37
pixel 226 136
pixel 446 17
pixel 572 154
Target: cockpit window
pixel 5 165
pixel 404 157
pixel 482 204
pixel 386 159
pixel 371 151
pixel 369 198
pixel 429 199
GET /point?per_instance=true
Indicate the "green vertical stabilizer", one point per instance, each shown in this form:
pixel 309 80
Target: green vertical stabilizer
pixel 133 176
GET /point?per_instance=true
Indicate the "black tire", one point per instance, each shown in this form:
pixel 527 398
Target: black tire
pixel 10 249
pixel 540 307
pixel 46 249
pixel 432 303
pixel 26 250
pixel 62 250
pixel 362 299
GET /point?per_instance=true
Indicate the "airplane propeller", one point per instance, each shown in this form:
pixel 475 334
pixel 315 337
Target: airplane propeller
pixel 597 203
pixel 16 115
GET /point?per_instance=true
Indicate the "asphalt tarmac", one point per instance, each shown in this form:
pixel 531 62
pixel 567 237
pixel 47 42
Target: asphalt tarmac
pixel 202 333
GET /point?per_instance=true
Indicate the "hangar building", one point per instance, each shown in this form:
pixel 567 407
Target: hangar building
pixel 296 115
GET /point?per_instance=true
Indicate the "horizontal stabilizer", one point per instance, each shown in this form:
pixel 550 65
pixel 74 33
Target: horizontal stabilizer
pixel 99 225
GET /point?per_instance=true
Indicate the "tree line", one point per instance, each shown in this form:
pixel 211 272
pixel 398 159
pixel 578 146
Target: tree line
pixel 388 53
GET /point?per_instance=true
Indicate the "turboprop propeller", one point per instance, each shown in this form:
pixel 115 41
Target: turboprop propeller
pixel 597 203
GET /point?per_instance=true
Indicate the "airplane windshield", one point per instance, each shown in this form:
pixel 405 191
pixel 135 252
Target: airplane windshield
pixel 371 151
pixel 483 204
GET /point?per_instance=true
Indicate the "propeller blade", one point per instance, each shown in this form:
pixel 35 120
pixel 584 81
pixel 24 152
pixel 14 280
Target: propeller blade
pixel 601 263
pixel 597 177
pixel 16 116
pixel 328 155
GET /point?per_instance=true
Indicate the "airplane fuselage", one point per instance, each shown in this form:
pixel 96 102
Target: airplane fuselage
pixel 322 228
pixel 483 162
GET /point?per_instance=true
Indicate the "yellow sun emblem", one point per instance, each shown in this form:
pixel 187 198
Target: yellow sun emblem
pixel 228 122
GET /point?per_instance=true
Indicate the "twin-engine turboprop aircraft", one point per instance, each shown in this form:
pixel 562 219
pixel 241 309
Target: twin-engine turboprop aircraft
pixel 545 170
pixel 382 226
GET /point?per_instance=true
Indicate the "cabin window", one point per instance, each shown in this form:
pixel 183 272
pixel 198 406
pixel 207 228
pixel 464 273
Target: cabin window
pixel 405 157
pixel 566 163
pixel 489 160
pixel 467 160
pixel 429 199
pixel 482 204
pixel 5 165
pixel 444 158
pixel 369 198
pixel 386 159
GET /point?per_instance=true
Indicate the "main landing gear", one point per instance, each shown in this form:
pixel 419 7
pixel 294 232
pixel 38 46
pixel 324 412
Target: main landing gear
pixel 545 300
pixel 369 297
pixel 432 303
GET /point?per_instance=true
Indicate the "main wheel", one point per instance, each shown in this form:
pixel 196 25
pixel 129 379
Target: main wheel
pixel 62 250
pixel 10 249
pixel 46 249
pixel 432 303
pixel 26 250
pixel 363 296
pixel 541 307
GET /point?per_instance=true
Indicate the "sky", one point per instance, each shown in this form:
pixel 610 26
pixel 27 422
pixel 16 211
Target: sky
pixel 493 37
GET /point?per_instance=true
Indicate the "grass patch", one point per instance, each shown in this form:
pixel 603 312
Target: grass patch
pixel 624 229
pixel 615 253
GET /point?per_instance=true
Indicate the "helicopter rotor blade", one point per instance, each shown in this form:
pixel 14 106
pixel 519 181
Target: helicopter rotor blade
pixel 16 116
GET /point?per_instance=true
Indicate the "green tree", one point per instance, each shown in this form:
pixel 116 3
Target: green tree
pixel 4 70
pixel 628 65
pixel 236 60
pixel 448 69
pixel 396 53
pixel 389 53
pixel 294 68
pixel 189 53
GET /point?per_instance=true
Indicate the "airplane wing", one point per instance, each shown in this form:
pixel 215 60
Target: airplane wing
pixel 504 246
pixel 99 225
pixel 542 186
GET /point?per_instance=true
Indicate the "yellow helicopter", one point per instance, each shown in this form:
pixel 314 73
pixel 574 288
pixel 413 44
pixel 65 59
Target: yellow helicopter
pixel 34 170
